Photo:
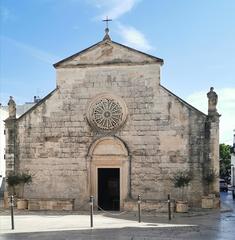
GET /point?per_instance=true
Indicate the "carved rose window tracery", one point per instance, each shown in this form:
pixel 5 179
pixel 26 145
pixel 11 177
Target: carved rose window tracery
pixel 107 112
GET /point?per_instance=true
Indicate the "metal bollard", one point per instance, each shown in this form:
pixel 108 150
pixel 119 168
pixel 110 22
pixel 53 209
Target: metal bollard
pixel 169 206
pixel 139 210
pixel 12 212
pixel 91 210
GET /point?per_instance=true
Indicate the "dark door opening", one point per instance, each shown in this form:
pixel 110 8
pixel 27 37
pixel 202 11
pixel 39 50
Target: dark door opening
pixel 109 188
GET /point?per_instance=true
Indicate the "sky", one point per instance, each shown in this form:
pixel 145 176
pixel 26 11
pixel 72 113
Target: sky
pixel 196 39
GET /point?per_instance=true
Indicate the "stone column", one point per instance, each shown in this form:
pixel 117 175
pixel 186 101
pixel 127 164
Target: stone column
pixel 10 130
pixel 213 138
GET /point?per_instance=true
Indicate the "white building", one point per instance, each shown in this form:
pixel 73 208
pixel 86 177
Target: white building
pixel 233 162
pixel 3 116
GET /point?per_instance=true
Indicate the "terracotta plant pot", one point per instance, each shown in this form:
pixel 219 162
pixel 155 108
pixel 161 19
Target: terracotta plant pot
pixel 6 200
pixel 181 206
pixel 208 202
pixel 22 204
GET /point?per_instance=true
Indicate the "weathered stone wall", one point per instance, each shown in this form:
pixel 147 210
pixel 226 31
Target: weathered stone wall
pixel 51 204
pixel 212 151
pixel 51 148
pixel 10 147
pixel 165 138
pixel 162 133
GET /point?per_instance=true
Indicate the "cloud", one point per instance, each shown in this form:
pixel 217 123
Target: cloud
pixel 33 51
pixel 114 8
pixel 134 38
pixel 226 107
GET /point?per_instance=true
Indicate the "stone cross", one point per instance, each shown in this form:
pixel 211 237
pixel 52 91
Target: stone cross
pixel 107 20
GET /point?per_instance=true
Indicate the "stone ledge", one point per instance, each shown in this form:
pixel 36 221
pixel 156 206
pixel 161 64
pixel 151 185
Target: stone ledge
pixel 160 206
pixel 51 204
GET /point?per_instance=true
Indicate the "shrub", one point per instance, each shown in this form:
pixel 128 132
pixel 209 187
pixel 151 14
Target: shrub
pixel 13 180
pixel 209 176
pixel 181 179
pixel 18 179
pixel 25 178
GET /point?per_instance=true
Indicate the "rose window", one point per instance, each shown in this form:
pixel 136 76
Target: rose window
pixel 107 113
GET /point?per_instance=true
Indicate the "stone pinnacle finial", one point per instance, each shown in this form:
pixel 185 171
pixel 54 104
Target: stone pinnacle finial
pixel 106 36
pixel 12 108
pixel 212 101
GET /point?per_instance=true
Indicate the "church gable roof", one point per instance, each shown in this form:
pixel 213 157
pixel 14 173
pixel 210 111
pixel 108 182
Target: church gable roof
pixel 107 52
pixel 37 104
pixel 182 101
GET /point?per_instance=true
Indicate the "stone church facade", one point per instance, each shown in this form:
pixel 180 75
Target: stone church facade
pixel 111 129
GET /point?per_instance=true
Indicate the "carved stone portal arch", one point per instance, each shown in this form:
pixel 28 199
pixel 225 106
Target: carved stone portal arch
pixel 109 152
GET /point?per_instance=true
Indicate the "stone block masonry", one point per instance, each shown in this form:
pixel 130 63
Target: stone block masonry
pixel 160 134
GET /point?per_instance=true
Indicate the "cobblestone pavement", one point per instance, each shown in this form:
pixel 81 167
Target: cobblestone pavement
pixel 210 226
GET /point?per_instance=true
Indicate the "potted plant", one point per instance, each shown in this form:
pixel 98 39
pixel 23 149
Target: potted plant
pixel 19 180
pixel 181 179
pixel 13 180
pixel 25 178
pixel 209 198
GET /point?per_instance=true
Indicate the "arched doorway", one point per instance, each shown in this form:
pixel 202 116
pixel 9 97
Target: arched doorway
pixel 109 172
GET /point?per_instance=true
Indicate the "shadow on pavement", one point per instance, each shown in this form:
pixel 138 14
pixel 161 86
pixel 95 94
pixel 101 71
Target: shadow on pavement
pixel 108 234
